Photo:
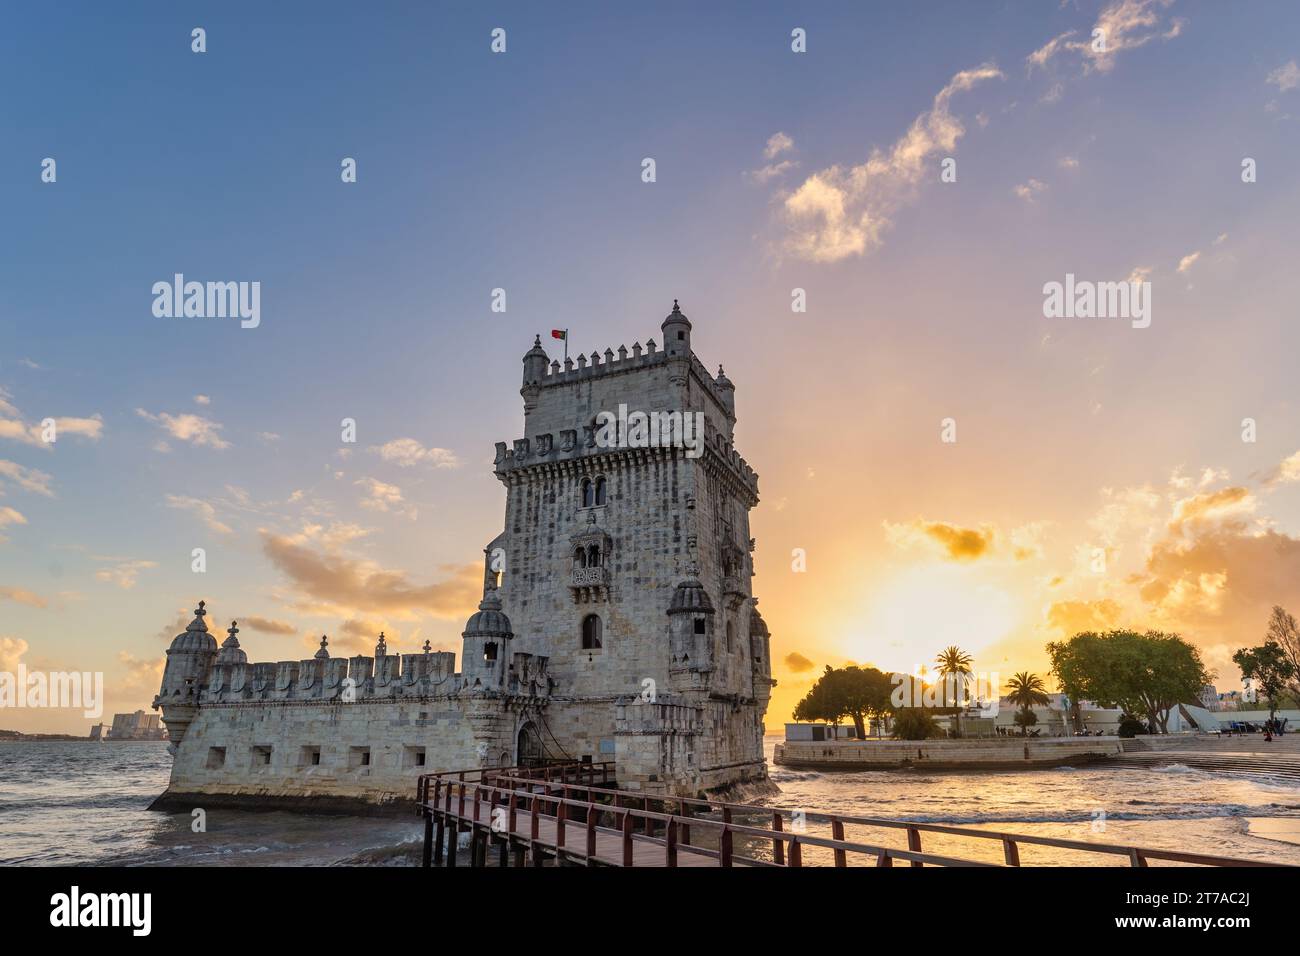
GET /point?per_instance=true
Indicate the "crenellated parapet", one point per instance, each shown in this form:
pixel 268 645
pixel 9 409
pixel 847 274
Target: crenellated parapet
pixel 339 678
pixel 571 449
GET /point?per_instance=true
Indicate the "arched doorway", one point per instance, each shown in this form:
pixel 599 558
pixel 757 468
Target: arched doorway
pixel 529 746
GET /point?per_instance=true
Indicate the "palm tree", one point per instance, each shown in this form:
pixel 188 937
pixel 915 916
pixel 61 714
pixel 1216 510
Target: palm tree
pixel 1027 691
pixel 954 662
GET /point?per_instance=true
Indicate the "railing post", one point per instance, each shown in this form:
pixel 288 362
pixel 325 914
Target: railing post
pixel 796 852
pixel 885 860
pixel 914 843
pixel 591 835
pixel 685 839
pixel 670 843
pixel 1011 852
pixel 560 811
pixel 627 837
pixel 453 835
pixel 837 833
pixel 1135 857
pixel 514 806
pixel 724 856
pixel 778 845
pixel 427 858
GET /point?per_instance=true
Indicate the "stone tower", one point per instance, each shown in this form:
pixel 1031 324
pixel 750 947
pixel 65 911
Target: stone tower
pixel 189 660
pixel 627 560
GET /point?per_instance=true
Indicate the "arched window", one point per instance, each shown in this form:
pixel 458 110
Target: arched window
pixel 489 652
pixel 580 558
pixel 588 493
pixel 699 625
pixel 600 491
pixel 591 633
pixel 731 634
pixel 593 556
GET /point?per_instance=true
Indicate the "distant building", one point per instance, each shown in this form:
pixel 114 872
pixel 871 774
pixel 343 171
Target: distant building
pixel 99 732
pixel 137 726
pixel 1210 697
pixel 819 732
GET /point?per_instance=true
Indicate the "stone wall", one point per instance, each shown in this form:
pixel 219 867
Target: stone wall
pixel 988 754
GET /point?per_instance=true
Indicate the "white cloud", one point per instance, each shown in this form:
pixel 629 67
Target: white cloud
pixel 29 479
pixel 124 573
pixel 381 496
pixel 1285 77
pixel 187 427
pixel 407 452
pixel 1029 191
pixel 204 511
pixel 1186 262
pixel 1068 162
pixel 1121 26
pixel 202 400
pixel 9 516
pixel 13 427
pixel 779 143
pixel 840 212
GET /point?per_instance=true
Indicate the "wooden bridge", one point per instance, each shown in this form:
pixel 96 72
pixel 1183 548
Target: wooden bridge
pixel 571 814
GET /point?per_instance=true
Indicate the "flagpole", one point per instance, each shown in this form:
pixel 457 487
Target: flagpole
pixel 566 346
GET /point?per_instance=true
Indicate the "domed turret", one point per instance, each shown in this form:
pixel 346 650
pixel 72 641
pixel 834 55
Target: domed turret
pixel 690 632
pixel 690 598
pixel 489 620
pixel 195 637
pixel 231 652
pixel 726 392
pixel 189 660
pixel 323 654
pixel 486 637
pixel 677 332
pixel 535 363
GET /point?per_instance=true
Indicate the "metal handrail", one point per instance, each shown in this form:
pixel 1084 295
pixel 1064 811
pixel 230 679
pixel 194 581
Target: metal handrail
pixel 538 793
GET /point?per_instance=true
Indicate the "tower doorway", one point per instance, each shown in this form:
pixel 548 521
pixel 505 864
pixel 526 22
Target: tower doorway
pixel 529 746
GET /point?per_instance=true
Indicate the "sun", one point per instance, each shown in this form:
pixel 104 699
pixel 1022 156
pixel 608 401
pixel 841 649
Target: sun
pixel 920 611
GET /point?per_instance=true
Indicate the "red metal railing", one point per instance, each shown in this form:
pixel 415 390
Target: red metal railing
pixel 611 825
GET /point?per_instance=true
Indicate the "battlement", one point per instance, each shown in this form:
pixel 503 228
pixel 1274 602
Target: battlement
pixel 349 679
pixel 569 446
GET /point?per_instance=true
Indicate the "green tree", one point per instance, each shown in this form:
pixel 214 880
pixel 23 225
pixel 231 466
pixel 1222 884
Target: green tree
pixel 955 663
pixel 1269 667
pixel 914 723
pixel 853 692
pixel 1285 632
pixel 1147 673
pixel 1026 691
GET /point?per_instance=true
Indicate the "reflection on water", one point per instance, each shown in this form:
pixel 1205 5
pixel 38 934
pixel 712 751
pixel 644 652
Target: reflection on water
pixel 78 803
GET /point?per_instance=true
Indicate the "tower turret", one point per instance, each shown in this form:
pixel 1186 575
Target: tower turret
pixel 231 652
pixel 535 365
pixel 486 647
pixel 690 632
pixel 677 332
pixel 189 659
pixel 726 393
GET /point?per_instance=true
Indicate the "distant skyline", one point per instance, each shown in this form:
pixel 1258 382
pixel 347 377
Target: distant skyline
pixel 1102 473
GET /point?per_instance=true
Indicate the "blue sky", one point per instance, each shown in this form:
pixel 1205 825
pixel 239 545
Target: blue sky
pixel 522 171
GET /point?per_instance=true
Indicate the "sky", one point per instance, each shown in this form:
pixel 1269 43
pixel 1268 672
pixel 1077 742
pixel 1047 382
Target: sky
pixel 1103 474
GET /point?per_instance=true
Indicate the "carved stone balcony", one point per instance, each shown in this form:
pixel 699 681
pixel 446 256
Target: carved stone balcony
pixel 590 577
pixel 733 592
pixel 589 584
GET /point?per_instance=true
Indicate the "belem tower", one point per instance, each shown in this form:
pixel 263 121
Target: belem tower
pixel 617 622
